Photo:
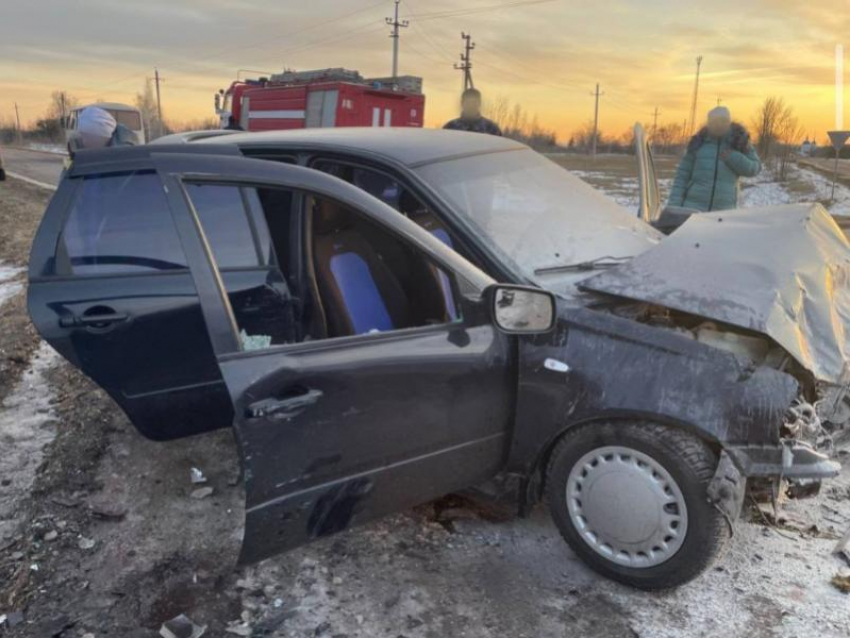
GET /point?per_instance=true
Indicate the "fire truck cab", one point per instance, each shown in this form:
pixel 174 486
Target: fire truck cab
pixel 325 98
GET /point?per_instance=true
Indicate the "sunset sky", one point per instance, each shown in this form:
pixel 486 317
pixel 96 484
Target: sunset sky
pixel 546 56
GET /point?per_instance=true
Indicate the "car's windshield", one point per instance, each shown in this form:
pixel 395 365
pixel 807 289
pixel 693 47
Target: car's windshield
pixel 537 215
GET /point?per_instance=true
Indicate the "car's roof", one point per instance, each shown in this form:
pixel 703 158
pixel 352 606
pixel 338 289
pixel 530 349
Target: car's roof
pixel 409 146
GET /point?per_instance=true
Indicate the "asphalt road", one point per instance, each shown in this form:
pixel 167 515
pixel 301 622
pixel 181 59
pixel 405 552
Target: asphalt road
pixel 40 166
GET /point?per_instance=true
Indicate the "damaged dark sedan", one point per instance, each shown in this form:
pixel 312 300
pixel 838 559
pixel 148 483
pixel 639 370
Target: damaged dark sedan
pixel 387 316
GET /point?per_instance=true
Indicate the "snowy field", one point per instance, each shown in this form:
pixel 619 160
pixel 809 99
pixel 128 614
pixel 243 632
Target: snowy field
pixel 802 185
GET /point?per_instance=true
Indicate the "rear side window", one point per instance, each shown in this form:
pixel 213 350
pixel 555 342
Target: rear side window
pixel 224 218
pixel 121 224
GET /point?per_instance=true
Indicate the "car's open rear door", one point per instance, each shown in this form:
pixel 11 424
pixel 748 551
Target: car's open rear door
pixel 333 432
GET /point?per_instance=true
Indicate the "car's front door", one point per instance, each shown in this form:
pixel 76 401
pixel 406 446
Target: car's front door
pixel 334 431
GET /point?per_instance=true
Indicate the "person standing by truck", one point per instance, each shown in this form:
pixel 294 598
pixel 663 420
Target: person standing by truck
pixel 717 157
pixel 471 118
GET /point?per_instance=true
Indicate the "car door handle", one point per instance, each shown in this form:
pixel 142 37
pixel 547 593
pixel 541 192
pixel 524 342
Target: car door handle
pixel 283 407
pixel 95 320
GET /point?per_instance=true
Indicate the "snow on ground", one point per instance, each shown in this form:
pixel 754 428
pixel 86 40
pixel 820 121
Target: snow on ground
pixel 763 190
pixel 517 577
pixel 823 190
pixel 783 574
pixel 759 191
pixel 9 284
pixel 623 190
pixel 25 428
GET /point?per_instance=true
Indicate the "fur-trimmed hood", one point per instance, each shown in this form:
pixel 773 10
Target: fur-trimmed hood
pixel 738 136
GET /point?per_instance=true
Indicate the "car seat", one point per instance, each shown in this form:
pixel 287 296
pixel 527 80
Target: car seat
pixel 359 291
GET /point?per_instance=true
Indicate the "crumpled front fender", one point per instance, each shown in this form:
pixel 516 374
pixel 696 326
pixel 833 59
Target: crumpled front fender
pixel 599 367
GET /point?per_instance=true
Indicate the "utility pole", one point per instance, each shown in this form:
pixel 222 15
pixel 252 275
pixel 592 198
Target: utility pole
pixel 17 123
pixel 466 61
pixel 694 100
pixel 595 119
pixel 158 101
pixel 655 115
pixel 719 100
pixel 395 24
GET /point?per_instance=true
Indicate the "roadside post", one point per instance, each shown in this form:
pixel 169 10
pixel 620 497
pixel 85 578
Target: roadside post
pixel 838 139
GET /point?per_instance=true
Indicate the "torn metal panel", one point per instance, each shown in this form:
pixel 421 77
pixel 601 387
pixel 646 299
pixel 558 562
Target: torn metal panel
pixel 783 271
pixel 620 369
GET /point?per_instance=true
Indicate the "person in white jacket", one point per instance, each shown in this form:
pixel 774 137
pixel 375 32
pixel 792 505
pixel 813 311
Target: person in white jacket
pixel 96 128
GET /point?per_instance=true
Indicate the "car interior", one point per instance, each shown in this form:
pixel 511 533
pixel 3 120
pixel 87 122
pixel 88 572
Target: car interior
pixel 342 275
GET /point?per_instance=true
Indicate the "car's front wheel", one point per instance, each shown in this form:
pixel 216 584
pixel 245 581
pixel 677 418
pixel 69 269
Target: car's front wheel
pixel 630 499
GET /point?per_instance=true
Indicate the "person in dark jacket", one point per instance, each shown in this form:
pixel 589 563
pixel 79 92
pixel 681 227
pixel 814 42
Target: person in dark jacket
pixel 470 116
pixel 717 157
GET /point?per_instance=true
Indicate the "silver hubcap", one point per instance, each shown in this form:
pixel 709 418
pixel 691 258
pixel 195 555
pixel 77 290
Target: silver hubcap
pixel 626 506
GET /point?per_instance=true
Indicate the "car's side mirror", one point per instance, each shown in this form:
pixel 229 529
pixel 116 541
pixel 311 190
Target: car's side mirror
pixel 521 309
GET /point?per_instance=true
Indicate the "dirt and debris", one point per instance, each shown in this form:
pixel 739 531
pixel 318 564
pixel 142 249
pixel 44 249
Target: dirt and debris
pixel 842 582
pixel 449 568
pixel 181 627
pixel 202 492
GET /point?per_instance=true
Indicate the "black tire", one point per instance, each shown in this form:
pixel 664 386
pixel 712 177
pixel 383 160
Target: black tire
pixel 691 463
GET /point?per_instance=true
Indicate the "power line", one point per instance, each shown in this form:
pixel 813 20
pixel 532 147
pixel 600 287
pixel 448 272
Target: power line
pixel 561 84
pixel 424 55
pixel 322 23
pixel 453 13
pixel 447 59
pixel 441 52
pixel 295 32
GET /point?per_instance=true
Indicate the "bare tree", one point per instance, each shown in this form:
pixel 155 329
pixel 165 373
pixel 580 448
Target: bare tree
pixel 778 132
pixel 146 103
pixel 516 123
pixel 61 104
pixel 789 132
pixel 768 120
pixel 667 138
pixel 497 109
pixel 583 137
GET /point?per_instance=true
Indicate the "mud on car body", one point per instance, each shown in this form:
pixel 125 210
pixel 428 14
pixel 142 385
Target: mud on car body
pixel 388 316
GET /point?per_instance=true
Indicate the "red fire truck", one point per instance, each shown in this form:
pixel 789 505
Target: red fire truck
pixel 323 98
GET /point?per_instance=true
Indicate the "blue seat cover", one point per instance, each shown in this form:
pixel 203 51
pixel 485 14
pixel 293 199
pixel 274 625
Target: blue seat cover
pixel 366 307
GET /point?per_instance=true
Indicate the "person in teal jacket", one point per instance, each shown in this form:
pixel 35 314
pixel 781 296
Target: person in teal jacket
pixel 717 157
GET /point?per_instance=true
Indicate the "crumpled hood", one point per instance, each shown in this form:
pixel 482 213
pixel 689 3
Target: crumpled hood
pixel 783 271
